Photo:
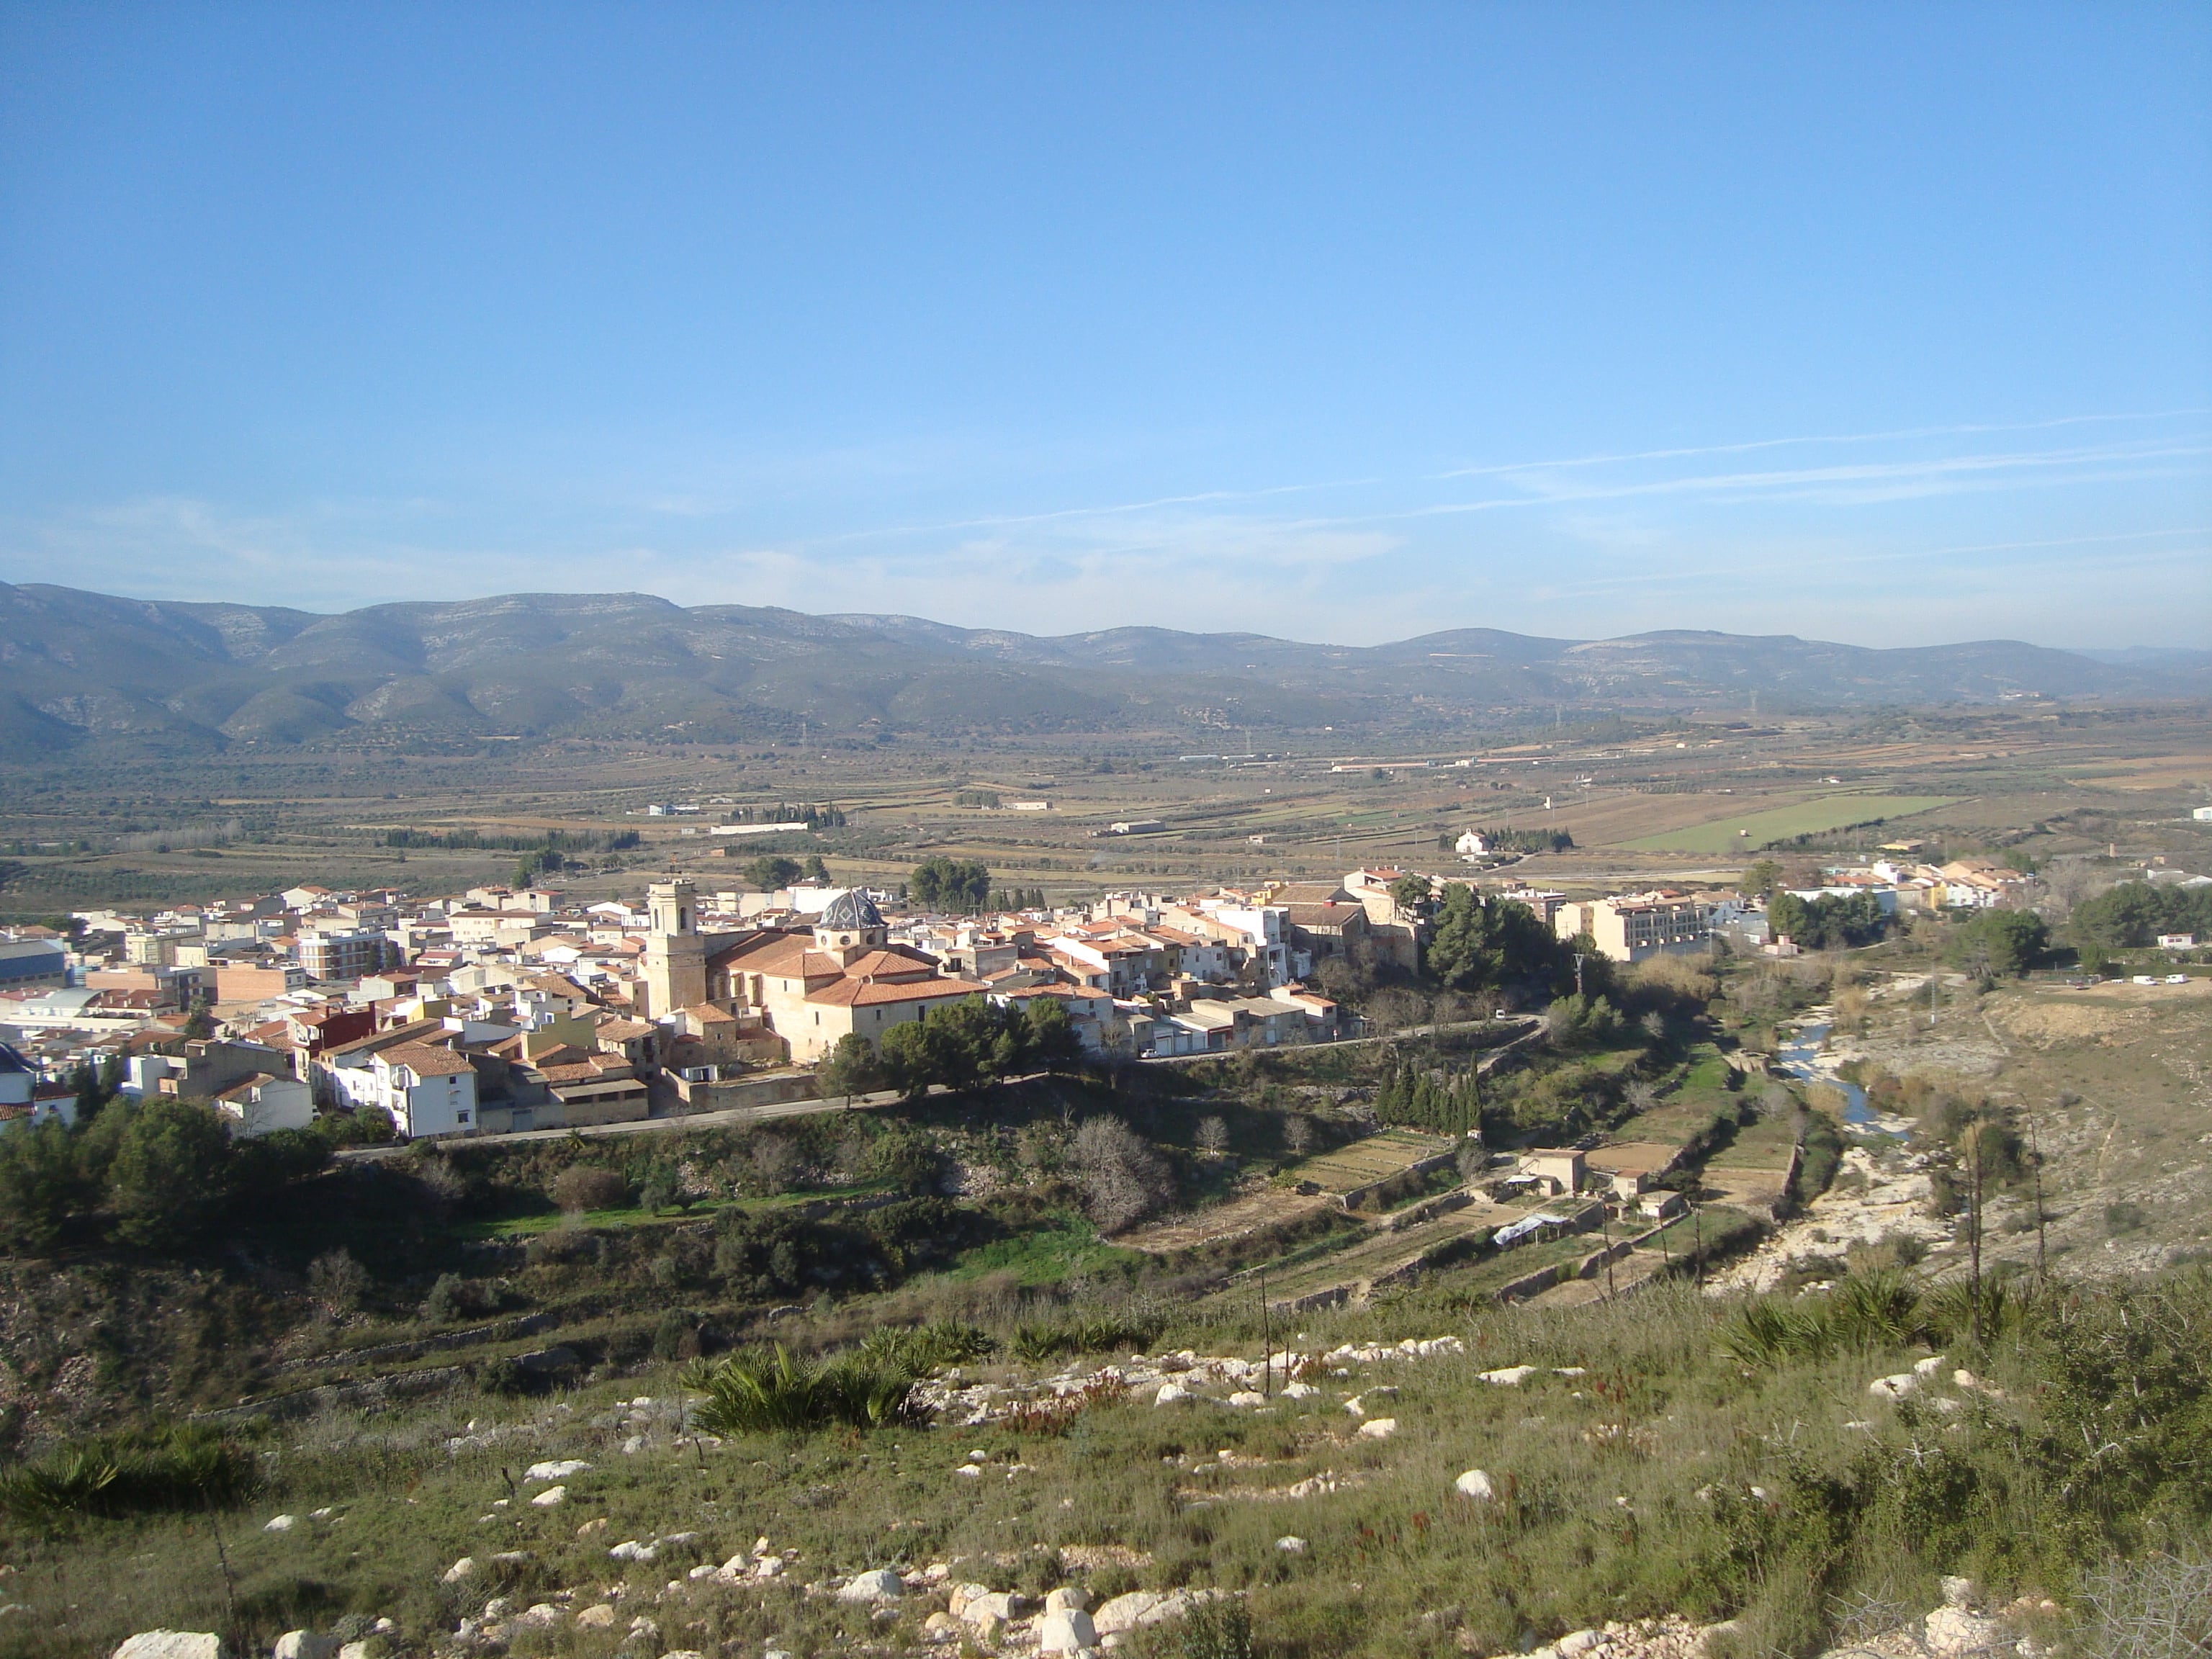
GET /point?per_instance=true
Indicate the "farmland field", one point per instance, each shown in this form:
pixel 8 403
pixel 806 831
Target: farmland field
pixel 1375 1158
pixel 1806 818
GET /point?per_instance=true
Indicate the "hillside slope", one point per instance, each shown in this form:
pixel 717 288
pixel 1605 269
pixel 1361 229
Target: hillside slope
pixel 88 669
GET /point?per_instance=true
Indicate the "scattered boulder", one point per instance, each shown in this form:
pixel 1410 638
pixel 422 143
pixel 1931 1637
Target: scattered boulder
pixel 1292 1544
pixel 1508 1376
pixel 989 1607
pixel 540 1615
pixel 1577 1643
pixel 563 1470
pixel 1140 1608
pixel 1894 1388
pixel 1068 1598
pixel 1170 1392
pixel 1066 1629
pixel 459 1572
pixel 1955 1633
pixel 1299 1391
pixel 172 1644
pixel 880 1585
pixel 1475 1484
pixel 1928 1366
pixel 940 1627
pixel 306 1644
pixel 281 1523
pixel 1248 1397
pixel 549 1496
pixel 600 1617
pixel 1379 1428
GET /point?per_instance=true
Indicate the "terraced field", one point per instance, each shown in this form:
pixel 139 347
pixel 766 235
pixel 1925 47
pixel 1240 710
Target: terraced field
pixel 1363 1163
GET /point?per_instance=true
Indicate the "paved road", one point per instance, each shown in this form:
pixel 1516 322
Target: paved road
pixel 664 1117
pixel 725 1118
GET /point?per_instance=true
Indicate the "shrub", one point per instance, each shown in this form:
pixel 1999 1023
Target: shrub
pixel 1124 1180
pixel 1215 1630
pixel 1097 1333
pixel 590 1187
pixel 338 1281
pixel 453 1298
pixel 2159 1607
pixel 927 1348
pixel 756 1392
pixel 188 1467
pixel 676 1335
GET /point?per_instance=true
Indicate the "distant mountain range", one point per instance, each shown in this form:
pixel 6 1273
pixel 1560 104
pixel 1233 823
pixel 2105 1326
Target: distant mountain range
pixel 85 672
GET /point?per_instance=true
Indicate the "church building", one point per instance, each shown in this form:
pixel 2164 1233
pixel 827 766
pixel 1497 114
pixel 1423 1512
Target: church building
pixel 810 987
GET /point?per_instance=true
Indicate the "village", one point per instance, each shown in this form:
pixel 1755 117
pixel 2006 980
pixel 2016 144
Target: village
pixel 501 1009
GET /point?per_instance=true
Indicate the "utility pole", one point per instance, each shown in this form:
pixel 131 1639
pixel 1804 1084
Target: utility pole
pixel 1605 1229
pixel 2035 1150
pixel 1267 1343
pixel 1973 1148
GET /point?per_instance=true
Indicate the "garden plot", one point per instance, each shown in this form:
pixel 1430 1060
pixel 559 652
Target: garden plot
pixel 1379 1157
pixel 1249 1213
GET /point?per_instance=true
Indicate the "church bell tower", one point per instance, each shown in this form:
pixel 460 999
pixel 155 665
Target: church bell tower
pixel 675 954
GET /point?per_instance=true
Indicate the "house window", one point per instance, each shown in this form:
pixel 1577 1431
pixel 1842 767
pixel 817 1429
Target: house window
pixel 461 1117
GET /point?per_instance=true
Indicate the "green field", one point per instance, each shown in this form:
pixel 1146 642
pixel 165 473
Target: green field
pixel 1806 818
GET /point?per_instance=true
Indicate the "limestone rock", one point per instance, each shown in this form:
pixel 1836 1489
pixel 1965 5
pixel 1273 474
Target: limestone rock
pixel 940 1627
pixel 563 1470
pixel 1577 1643
pixel 550 1496
pixel 1299 1391
pixel 1928 1366
pixel 599 1616
pixel 1140 1608
pixel 1292 1544
pixel 1068 1598
pixel 991 1607
pixel 1066 1629
pixel 1379 1428
pixel 172 1644
pixel 1509 1377
pixel 460 1571
pixel 1475 1484
pixel 880 1585
pixel 1894 1388
pixel 1954 1633
pixel 281 1523
pixel 306 1644
pixel 1248 1397
pixel 1170 1392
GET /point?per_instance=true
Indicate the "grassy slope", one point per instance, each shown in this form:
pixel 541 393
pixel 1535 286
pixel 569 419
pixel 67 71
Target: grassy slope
pixel 1603 1515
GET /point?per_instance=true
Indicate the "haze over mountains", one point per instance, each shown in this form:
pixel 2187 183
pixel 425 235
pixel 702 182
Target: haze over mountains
pixel 82 671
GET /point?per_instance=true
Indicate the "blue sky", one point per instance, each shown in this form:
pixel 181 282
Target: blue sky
pixel 1886 324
